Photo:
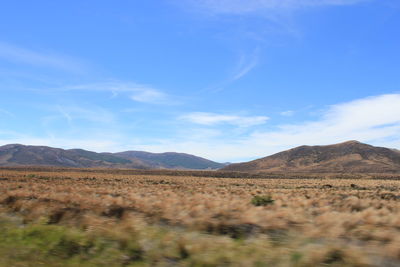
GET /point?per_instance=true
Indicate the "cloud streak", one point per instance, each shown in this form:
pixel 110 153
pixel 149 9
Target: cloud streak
pixel 246 64
pixel 18 54
pixel 287 113
pixel 136 92
pixel 92 114
pixel 205 118
pixel 239 7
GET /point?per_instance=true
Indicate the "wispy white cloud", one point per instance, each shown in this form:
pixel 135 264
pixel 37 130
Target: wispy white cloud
pixel 262 6
pixel 374 120
pixel 205 118
pixel 65 114
pixel 279 13
pixel 93 114
pixel 149 96
pixel 18 54
pixel 137 92
pixel 79 119
pixel 246 63
pixel 287 113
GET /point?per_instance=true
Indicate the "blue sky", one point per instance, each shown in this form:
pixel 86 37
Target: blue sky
pixel 229 80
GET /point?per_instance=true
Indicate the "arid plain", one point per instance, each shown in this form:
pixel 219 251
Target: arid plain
pixel 83 217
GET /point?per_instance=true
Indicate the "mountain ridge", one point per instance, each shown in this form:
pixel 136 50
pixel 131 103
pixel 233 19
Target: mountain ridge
pixel 26 155
pixel 346 157
pixel 349 156
pixel 164 159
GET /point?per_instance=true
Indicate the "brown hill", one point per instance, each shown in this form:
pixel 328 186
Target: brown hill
pixel 351 156
pixel 21 155
pixel 17 155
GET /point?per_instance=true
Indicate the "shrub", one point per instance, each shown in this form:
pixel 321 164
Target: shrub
pixel 262 200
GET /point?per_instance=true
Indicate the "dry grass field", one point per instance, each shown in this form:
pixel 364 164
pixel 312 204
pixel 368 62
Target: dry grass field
pixel 64 217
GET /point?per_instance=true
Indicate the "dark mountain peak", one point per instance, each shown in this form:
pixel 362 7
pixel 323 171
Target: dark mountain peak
pixel 10 146
pixel 316 147
pixel 351 142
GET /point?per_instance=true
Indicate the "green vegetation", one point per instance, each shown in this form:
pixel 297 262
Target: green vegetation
pixel 100 156
pixel 41 244
pixel 50 245
pixel 262 200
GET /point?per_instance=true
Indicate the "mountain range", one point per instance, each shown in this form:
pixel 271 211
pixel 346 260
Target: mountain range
pixel 347 157
pixel 22 155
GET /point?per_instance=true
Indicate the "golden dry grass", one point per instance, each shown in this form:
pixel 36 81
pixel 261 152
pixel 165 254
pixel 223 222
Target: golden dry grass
pixel 352 222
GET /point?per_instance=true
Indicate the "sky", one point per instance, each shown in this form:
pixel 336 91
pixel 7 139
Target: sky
pixel 228 80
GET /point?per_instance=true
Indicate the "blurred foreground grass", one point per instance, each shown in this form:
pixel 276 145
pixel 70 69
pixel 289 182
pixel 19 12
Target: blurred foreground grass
pixel 60 218
pixel 41 244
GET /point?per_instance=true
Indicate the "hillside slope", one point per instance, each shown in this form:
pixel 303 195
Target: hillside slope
pixel 16 155
pixel 171 160
pixel 21 155
pixel 351 156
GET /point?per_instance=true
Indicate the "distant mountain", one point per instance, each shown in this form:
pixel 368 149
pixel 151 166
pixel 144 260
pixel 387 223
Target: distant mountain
pixel 170 160
pixel 351 156
pixel 15 155
pixel 21 155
